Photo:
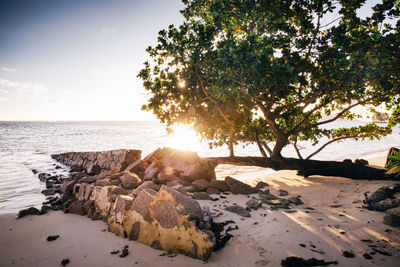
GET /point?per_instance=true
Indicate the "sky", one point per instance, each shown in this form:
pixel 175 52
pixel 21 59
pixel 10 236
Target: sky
pixel 78 59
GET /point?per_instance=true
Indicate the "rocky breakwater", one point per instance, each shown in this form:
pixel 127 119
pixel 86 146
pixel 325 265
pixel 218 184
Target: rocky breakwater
pixel 96 162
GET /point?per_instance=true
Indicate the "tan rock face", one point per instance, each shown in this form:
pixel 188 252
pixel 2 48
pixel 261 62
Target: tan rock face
pixel 164 220
pixel 130 180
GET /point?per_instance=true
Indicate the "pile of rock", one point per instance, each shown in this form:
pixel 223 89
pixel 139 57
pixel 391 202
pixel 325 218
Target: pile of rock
pixel 152 200
pixel 141 199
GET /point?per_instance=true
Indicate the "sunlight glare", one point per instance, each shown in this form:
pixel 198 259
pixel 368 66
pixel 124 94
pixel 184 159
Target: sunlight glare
pixel 184 138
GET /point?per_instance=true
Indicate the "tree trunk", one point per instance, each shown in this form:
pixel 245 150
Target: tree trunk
pixel 310 167
pixel 231 150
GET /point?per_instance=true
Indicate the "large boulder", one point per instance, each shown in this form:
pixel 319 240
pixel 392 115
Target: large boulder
pixel 130 180
pixel 167 220
pixel 219 184
pixel 392 217
pixel 238 187
pixel 190 166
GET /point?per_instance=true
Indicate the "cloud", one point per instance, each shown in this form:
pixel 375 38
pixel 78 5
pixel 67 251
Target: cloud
pixel 8 69
pixel 109 30
pixel 34 88
pixel 4 99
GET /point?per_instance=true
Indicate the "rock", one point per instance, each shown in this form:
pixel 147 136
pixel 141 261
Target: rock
pixel 111 160
pixel 189 164
pixel 180 189
pixel 201 196
pixel 130 180
pixel 43 176
pixel 219 184
pixel 88 179
pixel 94 169
pixel 144 185
pixel 212 191
pixel 254 204
pixel 89 208
pixel 266 197
pixel 172 183
pixel 151 171
pixel 34 171
pixel 64 262
pixel 392 217
pixel 76 168
pixel 103 182
pixel 190 188
pixel 261 185
pixel 280 203
pixel 168 220
pixel 122 203
pixel 295 200
pixel 138 167
pixel 201 184
pixel 52 237
pixel 76 207
pixel 48 192
pixel 115 182
pixel 68 185
pixel 348 254
pixel 28 211
pixel 238 187
pixel 283 193
pixel 164 178
pixel 44 209
pixel 238 210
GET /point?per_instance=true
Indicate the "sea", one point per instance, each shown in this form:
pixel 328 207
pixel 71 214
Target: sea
pixel 25 146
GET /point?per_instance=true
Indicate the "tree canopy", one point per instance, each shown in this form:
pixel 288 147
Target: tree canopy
pixel 275 72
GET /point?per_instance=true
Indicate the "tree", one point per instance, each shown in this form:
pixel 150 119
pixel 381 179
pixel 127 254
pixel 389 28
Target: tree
pixel 276 73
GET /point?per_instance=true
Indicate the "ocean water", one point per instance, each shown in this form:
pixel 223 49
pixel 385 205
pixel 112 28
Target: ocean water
pixel 28 145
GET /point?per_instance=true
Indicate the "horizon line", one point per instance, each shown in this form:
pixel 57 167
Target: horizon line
pixel 2 121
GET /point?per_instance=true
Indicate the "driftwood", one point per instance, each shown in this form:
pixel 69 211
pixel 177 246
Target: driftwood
pixel 309 167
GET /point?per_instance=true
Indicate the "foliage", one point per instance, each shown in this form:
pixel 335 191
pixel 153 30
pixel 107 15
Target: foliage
pixel 277 72
pixel 394 165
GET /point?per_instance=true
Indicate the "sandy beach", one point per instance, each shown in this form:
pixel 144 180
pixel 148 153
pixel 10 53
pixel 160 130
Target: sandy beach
pixel 330 221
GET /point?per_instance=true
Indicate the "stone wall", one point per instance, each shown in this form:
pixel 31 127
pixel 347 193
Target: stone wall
pixel 116 160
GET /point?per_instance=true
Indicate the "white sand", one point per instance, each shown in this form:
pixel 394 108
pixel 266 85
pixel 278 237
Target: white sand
pixel 259 241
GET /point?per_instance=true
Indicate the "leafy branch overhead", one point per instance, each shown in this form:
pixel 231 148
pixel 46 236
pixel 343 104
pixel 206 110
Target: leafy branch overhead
pixel 277 73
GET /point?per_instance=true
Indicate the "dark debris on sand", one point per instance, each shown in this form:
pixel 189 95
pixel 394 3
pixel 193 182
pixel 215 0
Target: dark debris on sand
pixel 301 262
pixel 52 237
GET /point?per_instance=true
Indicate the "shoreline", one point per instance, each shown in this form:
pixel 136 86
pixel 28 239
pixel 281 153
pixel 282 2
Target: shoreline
pixel 334 223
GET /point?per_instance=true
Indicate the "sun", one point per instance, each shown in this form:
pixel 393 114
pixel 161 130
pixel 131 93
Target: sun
pixel 183 138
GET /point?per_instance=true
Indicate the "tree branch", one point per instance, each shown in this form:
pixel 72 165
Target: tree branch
pixel 297 149
pixel 209 97
pixel 264 144
pixel 340 113
pixel 330 142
